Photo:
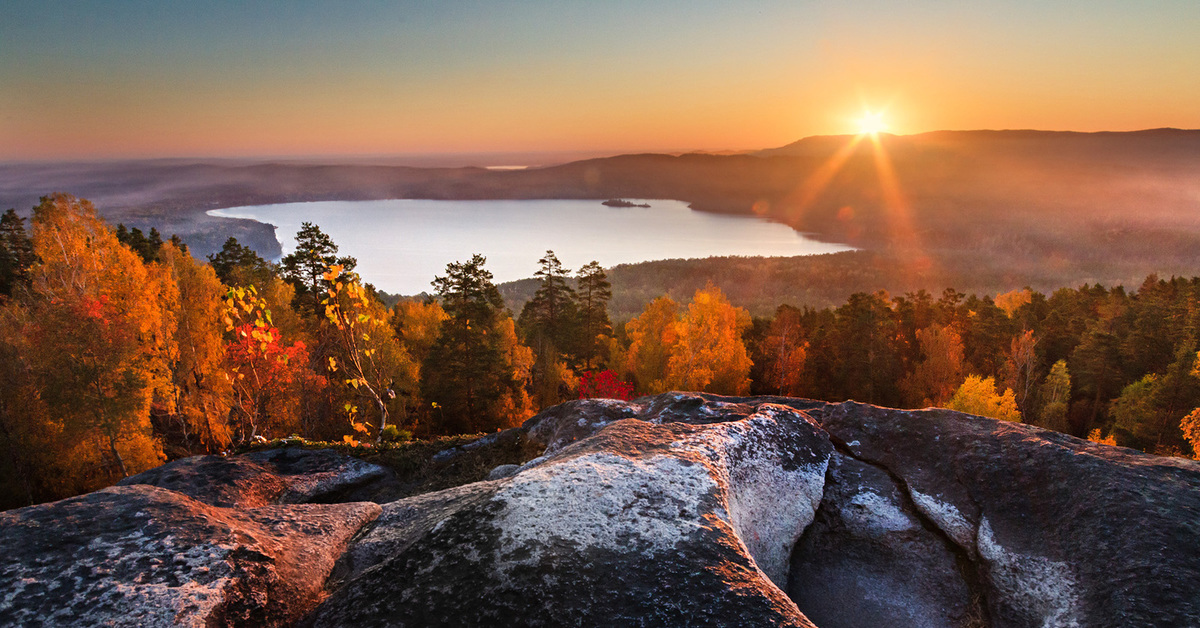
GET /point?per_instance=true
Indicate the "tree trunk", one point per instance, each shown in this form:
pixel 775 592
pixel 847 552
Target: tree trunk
pixel 383 418
pixel 112 446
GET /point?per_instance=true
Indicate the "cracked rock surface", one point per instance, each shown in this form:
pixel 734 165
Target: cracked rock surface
pixel 678 509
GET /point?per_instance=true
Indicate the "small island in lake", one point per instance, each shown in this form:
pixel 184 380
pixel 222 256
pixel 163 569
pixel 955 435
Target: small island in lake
pixel 620 202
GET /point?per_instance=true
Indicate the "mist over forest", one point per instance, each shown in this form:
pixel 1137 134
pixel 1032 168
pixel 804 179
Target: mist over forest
pixel 984 211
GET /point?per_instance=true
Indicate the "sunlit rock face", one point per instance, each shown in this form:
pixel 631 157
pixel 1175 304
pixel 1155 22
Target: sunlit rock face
pixel 679 509
pixel 147 556
pixel 637 519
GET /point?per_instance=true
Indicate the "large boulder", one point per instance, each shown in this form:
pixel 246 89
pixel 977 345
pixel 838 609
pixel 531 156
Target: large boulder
pixel 641 523
pixel 288 475
pixel 1060 531
pixel 678 509
pixel 147 556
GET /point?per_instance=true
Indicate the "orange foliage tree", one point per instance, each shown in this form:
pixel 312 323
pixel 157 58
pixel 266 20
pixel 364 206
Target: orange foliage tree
pixel 978 396
pixel 701 350
pixel 97 335
pixel 652 337
pixel 934 379
pixel 786 353
pixel 709 354
pixel 199 399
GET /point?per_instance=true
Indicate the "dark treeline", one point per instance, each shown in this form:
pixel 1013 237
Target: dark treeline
pixel 1086 361
pixel 119 350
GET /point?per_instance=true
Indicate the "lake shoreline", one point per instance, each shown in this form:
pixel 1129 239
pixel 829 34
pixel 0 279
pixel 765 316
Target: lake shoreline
pixel 397 241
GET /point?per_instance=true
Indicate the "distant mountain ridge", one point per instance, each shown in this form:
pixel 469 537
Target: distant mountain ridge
pixel 1043 208
pixel 817 144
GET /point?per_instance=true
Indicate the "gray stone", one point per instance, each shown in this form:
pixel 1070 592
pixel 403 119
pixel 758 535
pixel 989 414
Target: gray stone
pixel 287 475
pixel 147 556
pixel 1062 531
pixel 677 509
pixel 503 471
pixel 643 524
pixel 868 559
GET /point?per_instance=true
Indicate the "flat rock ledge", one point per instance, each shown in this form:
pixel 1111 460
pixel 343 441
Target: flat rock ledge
pixel 674 510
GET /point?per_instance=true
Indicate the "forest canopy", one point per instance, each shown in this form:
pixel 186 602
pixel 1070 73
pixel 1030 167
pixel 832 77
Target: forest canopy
pixel 120 351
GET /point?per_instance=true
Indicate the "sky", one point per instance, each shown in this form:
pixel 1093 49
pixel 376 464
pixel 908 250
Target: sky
pixel 212 78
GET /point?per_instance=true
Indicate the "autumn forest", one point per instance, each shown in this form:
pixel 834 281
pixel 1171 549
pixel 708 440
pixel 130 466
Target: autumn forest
pixel 119 350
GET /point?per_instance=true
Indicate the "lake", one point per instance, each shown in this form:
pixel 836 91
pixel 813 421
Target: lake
pixel 402 244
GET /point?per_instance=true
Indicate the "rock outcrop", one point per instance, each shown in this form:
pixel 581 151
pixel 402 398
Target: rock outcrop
pixel 680 509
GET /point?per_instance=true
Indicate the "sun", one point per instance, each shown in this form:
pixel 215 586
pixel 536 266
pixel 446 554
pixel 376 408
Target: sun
pixel 871 123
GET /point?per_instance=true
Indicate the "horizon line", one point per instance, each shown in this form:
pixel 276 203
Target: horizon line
pixel 453 159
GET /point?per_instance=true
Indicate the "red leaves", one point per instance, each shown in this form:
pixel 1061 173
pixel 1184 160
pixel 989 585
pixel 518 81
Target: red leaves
pixel 605 385
pixel 94 308
pixel 258 350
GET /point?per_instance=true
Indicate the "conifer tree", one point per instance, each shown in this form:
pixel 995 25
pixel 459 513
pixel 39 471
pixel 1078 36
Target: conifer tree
pixel 549 322
pixel 467 376
pixel 16 252
pixel 593 293
pixel 239 265
pixel 305 267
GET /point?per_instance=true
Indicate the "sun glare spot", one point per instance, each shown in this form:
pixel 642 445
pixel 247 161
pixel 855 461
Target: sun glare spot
pixel 871 123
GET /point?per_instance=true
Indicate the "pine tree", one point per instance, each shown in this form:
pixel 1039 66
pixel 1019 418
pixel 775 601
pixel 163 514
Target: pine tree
pixel 467 377
pixel 16 252
pixel 239 265
pixel 549 321
pixel 593 293
pixel 305 267
pixel 146 246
